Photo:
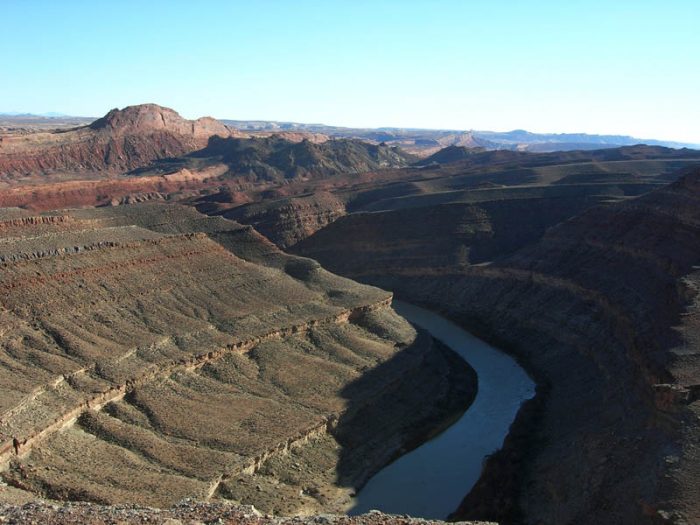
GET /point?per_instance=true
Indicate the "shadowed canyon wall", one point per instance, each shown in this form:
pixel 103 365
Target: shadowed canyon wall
pixel 148 352
pixel 602 311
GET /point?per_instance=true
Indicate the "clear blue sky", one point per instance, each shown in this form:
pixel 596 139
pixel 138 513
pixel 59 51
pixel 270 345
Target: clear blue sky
pixel 614 66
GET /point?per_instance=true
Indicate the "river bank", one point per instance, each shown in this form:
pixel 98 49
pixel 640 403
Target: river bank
pixel 431 480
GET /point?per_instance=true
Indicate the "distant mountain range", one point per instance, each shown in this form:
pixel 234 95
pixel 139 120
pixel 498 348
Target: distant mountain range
pixel 424 139
pixel 137 136
pixel 418 141
pixel 586 141
pixel 50 114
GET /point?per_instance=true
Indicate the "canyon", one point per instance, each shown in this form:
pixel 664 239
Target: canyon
pixel 601 309
pixel 171 327
pixel 149 152
pixel 238 373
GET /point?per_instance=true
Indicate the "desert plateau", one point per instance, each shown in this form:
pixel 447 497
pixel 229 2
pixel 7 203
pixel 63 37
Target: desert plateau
pixel 299 263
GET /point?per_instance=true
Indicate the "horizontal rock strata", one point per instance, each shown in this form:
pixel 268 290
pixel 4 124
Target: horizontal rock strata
pixel 602 310
pixel 150 354
pixel 120 141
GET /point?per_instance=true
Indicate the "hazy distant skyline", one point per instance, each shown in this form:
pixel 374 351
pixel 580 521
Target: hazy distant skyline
pixel 628 68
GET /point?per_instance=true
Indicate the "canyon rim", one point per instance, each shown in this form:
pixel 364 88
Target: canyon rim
pixel 368 263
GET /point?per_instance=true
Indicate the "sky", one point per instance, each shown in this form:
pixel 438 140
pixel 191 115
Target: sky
pixel 609 67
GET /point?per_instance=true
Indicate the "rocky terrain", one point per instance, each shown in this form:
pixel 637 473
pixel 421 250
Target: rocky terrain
pixel 496 201
pixel 120 141
pixel 149 152
pixel 452 153
pixel 425 142
pixel 276 158
pixel 187 513
pixel 27 123
pixel 150 353
pixel 288 221
pixel 601 310
pixel 420 142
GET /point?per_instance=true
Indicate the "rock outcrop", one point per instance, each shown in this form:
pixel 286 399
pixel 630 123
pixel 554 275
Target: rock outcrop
pixel 276 159
pixel 288 221
pixel 602 310
pixel 187 512
pixel 450 154
pixel 110 190
pixel 120 141
pixel 481 207
pixel 149 353
pixel 145 152
pixel 429 238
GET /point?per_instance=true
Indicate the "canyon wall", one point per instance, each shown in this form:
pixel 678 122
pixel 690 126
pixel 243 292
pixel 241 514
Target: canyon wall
pixel 602 311
pixel 481 208
pixel 288 221
pixel 144 362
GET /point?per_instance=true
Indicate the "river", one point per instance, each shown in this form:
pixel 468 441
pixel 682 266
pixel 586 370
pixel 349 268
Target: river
pixel 431 480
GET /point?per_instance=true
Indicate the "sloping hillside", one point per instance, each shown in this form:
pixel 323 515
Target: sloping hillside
pixel 603 311
pixel 149 353
pixel 274 158
pixel 120 141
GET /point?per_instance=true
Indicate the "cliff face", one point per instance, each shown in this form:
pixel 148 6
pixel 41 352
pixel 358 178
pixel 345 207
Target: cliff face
pixel 109 191
pixel 120 141
pixel 277 159
pixel 429 238
pixel 612 291
pixel 476 209
pixel 602 310
pixel 288 221
pixel 149 118
pixel 238 373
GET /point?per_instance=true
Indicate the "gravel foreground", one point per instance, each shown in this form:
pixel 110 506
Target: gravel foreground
pixel 186 512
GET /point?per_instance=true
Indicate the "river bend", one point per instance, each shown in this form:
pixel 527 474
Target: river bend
pixel 431 480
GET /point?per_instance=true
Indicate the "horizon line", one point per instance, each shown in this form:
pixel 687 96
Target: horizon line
pixel 59 115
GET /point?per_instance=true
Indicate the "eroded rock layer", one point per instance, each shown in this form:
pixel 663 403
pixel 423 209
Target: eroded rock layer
pixel 288 221
pixel 149 354
pixel 120 141
pixel 276 158
pixel 602 310
pixel 480 208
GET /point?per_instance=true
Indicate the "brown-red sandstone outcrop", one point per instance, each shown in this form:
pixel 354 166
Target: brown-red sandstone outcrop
pixel 120 141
